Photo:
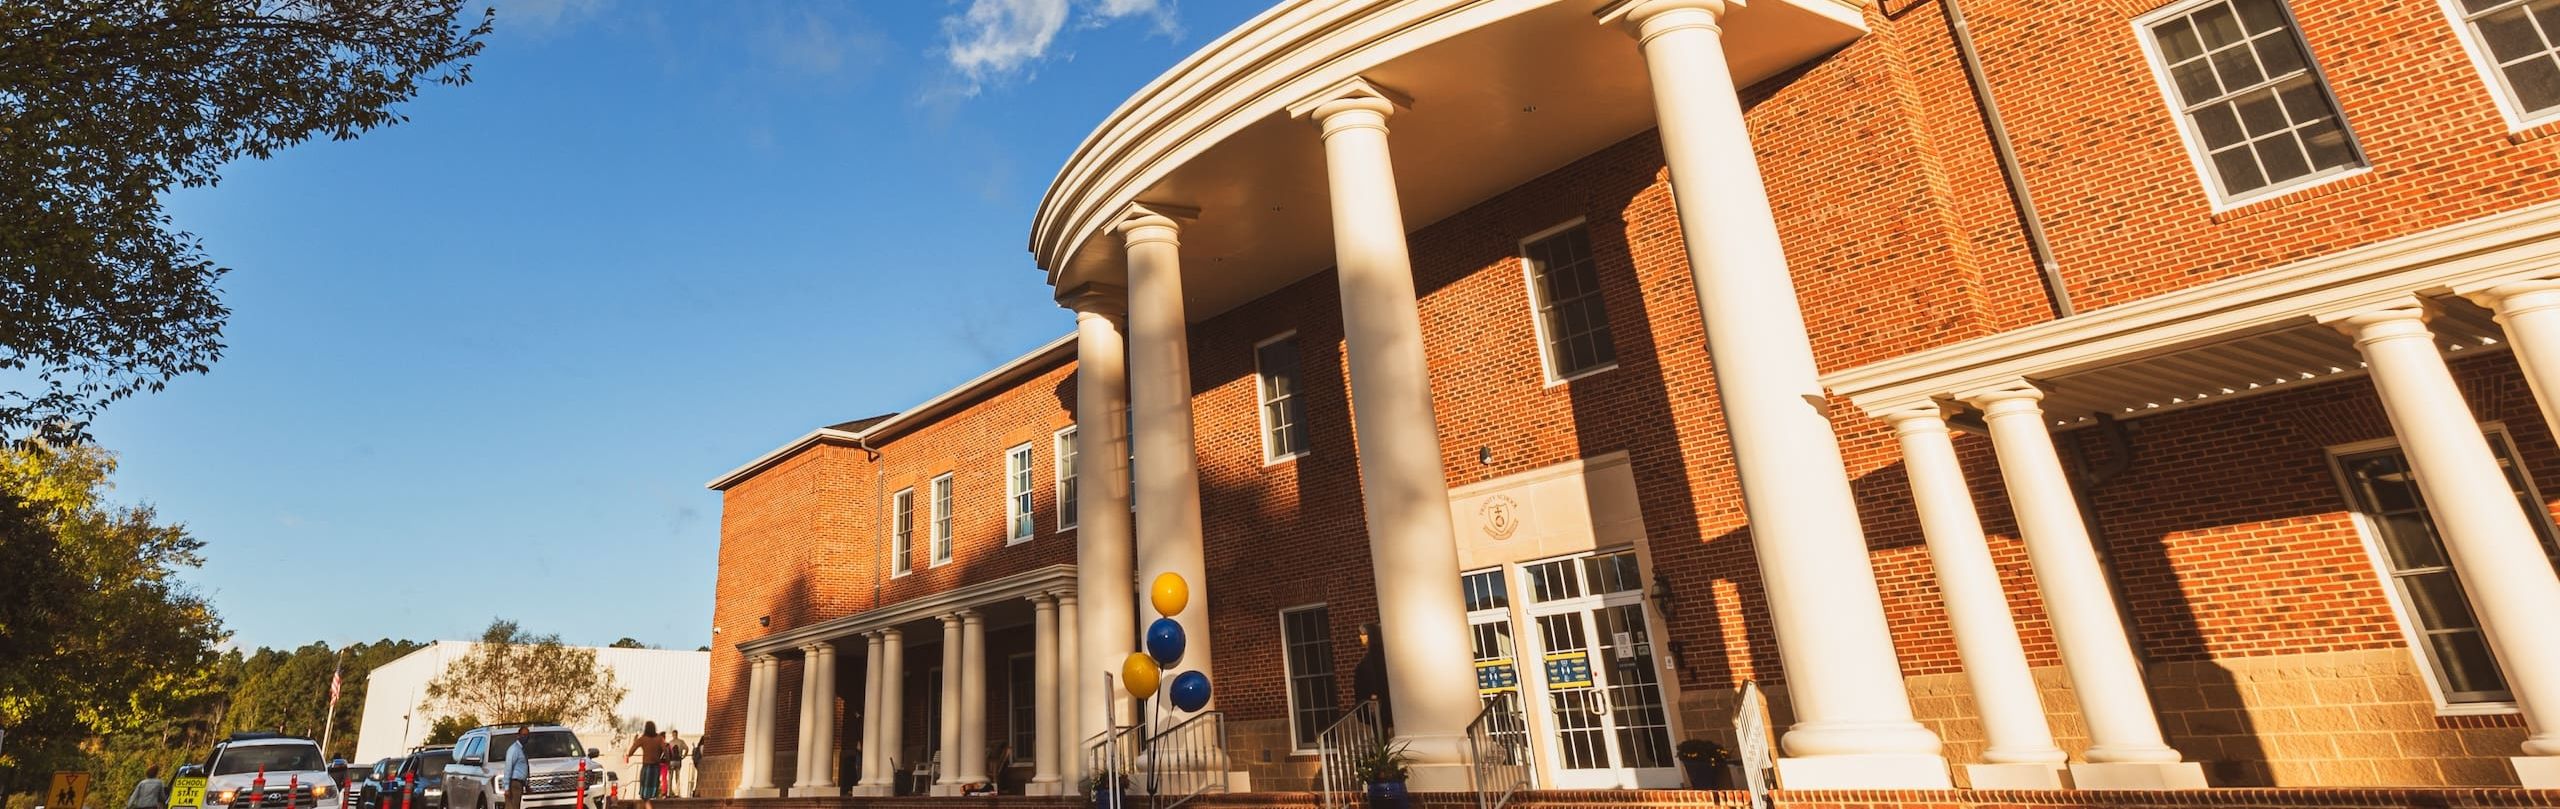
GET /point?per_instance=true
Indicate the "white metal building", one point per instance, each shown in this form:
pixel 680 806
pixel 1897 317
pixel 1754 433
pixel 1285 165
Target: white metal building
pixel 666 687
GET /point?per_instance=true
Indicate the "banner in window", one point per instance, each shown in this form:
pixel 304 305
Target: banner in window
pixel 1568 670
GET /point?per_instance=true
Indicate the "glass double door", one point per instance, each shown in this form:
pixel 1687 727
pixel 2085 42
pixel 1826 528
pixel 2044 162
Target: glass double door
pixel 1585 669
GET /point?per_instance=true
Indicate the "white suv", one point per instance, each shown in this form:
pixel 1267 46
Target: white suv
pixel 268 771
pixel 477 778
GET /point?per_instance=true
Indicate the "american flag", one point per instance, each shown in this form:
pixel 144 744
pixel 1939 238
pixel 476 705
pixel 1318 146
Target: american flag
pixel 333 687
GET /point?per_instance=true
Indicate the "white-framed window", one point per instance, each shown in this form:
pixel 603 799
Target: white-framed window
pixel 2516 46
pixel 1275 365
pixel 1564 296
pixel 1064 458
pixel 902 532
pixel 1022 702
pixel 2250 101
pixel 1017 494
pixel 1306 641
pixel 2402 540
pixel 942 519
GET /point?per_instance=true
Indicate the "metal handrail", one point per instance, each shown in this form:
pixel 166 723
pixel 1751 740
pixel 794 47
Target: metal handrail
pixel 1187 759
pixel 1107 758
pixel 1339 748
pixel 1498 751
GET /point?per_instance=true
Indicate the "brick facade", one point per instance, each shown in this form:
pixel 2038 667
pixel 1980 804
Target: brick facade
pixel 2273 651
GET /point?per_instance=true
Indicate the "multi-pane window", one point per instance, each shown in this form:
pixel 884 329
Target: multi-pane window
pixel 1276 363
pixel 1573 326
pixel 2412 552
pixel 2520 41
pixel 2252 101
pixel 1066 458
pixel 942 519
pixel 1306 641
pixel 902 532
pixel 1022 692
pixel 1017 493
pixel 1485 590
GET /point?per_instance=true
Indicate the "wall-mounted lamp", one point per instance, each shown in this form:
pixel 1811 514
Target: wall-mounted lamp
pixel 1676 654
pixel 1662 596
pixel 764 620
pixel 1484 456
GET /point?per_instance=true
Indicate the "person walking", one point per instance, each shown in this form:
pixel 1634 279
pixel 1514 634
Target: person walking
pixel 652 749
pixel 672 761
pixel 150 792
pixel 519 768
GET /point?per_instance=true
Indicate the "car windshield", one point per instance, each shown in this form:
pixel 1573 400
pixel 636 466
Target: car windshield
pixel 538 744
pixel 432 764
pixel 237 759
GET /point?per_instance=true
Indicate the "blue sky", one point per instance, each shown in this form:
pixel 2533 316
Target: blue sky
pixel 487 358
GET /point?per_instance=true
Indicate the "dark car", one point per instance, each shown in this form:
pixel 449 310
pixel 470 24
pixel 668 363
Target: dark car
pixel 366 787
pixel 416 781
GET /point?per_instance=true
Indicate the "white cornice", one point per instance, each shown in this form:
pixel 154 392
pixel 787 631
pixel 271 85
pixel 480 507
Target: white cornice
pixel 1008 373
pixel 2440 261
pixel 1054 578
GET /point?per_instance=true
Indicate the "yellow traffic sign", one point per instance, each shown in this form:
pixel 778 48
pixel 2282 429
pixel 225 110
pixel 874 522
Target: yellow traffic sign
pixel 187 791
pixel 70 790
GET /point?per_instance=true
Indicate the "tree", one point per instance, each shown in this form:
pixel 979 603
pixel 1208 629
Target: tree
pixel 448 728
pixel 516 676
pixel 631 643
pixel 105 105
pixel 99 641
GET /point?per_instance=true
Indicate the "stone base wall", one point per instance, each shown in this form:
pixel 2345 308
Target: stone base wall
pixel 2327 719
pixel 1811 799
pixel 719 775
pixel 1262 748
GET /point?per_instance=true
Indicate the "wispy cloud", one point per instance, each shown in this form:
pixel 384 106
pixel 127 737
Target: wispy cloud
pixel 997 39
pixel 542 17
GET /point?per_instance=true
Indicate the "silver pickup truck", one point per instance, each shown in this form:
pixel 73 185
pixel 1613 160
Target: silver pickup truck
pixel 477 778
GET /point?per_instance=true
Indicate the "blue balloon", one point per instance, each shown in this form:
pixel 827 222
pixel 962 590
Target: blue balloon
pixel 1165 641
pixel 1190 690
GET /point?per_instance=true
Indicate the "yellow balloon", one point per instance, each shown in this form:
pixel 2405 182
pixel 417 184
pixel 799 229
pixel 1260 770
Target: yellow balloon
pixel 1170 594
pixel 1138 674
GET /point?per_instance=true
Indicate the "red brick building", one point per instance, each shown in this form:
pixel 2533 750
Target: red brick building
pixel 2131 435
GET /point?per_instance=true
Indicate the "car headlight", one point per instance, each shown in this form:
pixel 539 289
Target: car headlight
pixel 319 790
pixel 226 796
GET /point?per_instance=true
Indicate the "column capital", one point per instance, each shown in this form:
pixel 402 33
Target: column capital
pixel 1372 102
pixel 2505 296
pixel 2010 396
pixel 971 616
pixel 891 634
pixel 1105 300
pixel 1043 599
pixel 2401 317
pixel 1917 415
pixel 1064 597
pixel 764 659
pixel 1646 19
pixel 1149 222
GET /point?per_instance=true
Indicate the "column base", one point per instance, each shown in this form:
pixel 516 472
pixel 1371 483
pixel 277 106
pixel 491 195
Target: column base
pixel 2537 772
pixel 943 790
pixel 816 791
pixel 2139 775
pixel 1045 788
pixel 757 792
pixel 1866 771
pixel 872 790
pixel 2017 776
pixel 1440 778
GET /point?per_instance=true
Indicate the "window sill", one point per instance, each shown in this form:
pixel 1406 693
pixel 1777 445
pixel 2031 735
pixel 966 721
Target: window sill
pixel 2254 201
pixel 1582 374
pixel 2477 709
pixel 1284 459
pixel 1019 541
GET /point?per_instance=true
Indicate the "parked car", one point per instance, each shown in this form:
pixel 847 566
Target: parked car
pixel 366 787
pixel 268 771
pixel 477 777
pixel 417 779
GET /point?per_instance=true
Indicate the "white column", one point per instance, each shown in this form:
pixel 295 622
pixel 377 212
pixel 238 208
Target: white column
pixel 973 697
pixel 1168 493
pixel 822 755
pixel 1105 631
pixel 874 757
pixel 804 770
pixel 2021 752
pixel 1044 711
pixel 1853 718
pixel 1070 747
pixel 1412 546
pixel 893 708
pixel 755 769
pixel 2494 550
pixel 2530 311
pixel 947 777
pixel 2125 747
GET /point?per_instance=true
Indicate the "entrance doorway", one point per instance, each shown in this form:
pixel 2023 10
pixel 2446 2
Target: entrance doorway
pixel 1584 669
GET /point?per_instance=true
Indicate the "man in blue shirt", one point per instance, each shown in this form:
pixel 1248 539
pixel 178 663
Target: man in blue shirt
pixel 519 769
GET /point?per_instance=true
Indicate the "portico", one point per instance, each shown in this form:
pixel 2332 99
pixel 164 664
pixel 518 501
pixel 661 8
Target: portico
pixel 895 644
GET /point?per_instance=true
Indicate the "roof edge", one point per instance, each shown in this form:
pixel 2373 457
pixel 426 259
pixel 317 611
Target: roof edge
pixel 1011 371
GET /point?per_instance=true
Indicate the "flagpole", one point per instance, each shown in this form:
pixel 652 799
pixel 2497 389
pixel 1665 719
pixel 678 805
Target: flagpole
pixel 329 722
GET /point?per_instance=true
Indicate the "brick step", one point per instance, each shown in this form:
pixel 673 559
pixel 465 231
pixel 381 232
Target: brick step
pixel 2258 798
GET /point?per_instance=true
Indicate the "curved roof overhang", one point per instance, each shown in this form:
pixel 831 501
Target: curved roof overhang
pixel 1503 91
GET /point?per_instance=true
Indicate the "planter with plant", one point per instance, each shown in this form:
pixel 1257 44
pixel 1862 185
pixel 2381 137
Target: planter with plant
pixel 1384 768
pixel 1093 785
pixel 1706 764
